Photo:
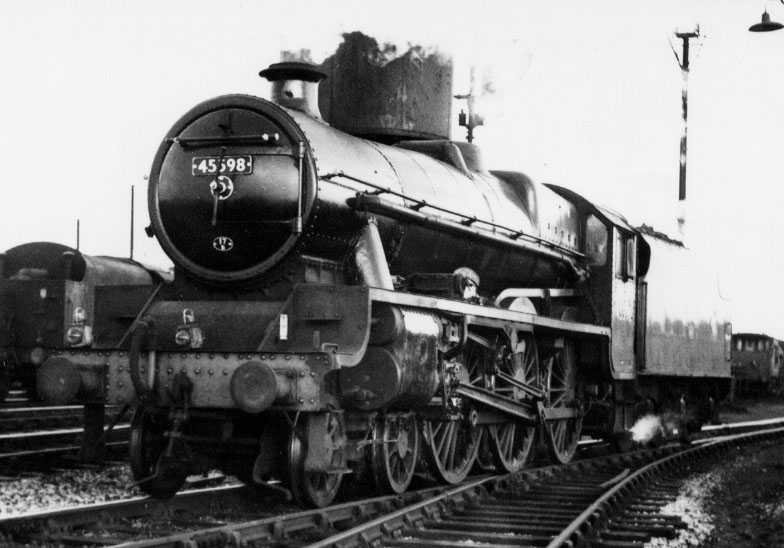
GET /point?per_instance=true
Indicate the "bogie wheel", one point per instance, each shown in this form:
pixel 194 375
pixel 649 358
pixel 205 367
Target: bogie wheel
pixel 560 374
pixel 153 462
pixel 395 452
pixel 313 488
pixel 511 442
pixel 451 448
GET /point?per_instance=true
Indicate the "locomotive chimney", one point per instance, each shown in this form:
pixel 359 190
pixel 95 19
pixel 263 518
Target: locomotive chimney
pixel 295 85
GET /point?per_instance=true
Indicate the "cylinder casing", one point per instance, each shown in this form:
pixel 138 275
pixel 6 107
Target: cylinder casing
pixel 402 369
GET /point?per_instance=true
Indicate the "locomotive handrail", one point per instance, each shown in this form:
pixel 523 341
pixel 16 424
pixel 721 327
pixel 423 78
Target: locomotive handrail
pixel 274 148
pixel 373 204
pixel 142 388
pixel 297 228
pixel 467 220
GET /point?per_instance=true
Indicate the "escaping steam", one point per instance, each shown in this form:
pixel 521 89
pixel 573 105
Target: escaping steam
pixel 655 428
pixel 647 428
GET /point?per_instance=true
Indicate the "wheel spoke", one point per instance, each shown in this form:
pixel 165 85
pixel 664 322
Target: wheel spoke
pixel 452 449
pixel 393 465
pixel 315 488
pixel 445 441
pixel 509 444
pixel 561 386
pixel 437 430
pixel 509 441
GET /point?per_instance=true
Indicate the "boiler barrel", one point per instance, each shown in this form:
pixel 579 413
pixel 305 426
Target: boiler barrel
pixel 240 183
pixel 420 245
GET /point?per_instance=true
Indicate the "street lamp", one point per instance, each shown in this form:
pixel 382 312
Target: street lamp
pixel 766 25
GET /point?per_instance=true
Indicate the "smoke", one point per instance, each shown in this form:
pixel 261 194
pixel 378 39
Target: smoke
pixel 655 428
pixel 647 428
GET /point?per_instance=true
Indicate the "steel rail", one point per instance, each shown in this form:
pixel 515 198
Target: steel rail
pixel 44 434
pixel 44 417
pixel 593 518
pixel 55 450
pixel 428 503
pixel 20 421
pixel 39 408
pixel 574 534
pixel 372 533
pixel 281 526
pixel 81 515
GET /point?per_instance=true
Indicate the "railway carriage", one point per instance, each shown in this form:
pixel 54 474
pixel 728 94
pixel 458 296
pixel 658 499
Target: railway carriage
pixel 757 364
pixel 342 306
pixel 62 317
pixel 685 354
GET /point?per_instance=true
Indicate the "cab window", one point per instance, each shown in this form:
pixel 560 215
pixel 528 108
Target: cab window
pixel 625 255
pixel 596 240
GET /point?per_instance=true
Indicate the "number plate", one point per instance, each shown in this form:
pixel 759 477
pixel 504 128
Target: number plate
pixel 211 165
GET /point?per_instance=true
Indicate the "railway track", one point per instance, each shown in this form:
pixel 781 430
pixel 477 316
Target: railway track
pixel 38 417
pixel 579 509
pixel 551 505
pixel 43 450
pixel 35 437
pixel 17 397
pixel 29 442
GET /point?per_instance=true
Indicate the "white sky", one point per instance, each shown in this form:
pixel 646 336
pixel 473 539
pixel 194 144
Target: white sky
pixel 588 96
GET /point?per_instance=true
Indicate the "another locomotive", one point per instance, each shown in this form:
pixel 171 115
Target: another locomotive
pixel 61 312
pixel 757 364
pixel 345 306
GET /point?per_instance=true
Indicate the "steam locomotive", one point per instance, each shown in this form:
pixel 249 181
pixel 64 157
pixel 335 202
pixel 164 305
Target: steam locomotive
pixel 344 306
pixel 61 314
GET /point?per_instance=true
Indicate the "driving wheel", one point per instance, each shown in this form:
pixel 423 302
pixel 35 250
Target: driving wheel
pixel 560 373
pixel 451 448
pixel 511 442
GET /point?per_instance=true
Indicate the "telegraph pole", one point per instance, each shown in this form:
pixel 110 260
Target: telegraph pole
pixel 132 221
pixel 683 63
pixel 685 37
